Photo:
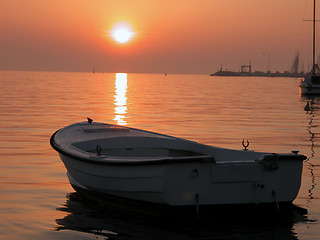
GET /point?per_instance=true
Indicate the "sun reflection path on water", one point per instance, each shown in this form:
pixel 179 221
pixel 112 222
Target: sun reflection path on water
pixel 120 99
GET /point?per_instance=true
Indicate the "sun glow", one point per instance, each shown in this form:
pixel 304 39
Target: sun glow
pixel 122 33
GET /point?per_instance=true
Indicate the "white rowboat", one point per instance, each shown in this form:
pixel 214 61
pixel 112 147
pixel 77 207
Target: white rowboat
pixel 141 165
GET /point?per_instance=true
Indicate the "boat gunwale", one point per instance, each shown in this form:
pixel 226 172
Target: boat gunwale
pixel 160 160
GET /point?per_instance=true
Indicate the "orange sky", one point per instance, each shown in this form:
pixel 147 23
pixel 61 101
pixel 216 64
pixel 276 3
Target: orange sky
pixel 171 36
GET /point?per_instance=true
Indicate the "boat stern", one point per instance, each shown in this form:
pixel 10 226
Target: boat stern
pixel 271 178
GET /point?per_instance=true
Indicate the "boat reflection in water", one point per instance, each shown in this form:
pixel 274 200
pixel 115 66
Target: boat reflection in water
pixel 120 99
pixel 312 109
pixel 106 219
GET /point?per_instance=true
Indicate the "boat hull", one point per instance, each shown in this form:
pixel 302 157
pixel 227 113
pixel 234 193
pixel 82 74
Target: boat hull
pixel 310 85
pixel 312 90
pixel 190 183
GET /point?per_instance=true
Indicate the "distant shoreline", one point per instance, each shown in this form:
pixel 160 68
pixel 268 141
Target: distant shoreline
pixel 259 74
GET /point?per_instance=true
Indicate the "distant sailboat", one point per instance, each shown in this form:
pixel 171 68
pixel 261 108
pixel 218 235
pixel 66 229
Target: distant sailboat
pixel 93 70
pixel 311 84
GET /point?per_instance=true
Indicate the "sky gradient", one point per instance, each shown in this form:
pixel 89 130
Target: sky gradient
pixel 170 36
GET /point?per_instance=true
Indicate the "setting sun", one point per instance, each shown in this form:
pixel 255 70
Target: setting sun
pixel 122 33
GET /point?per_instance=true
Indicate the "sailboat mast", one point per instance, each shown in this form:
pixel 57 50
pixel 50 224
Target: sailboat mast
pixel 314 38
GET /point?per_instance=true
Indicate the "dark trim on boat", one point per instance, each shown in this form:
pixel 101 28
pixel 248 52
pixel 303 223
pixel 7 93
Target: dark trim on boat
pixel 103 161
pixel 168 160
pixel 284 156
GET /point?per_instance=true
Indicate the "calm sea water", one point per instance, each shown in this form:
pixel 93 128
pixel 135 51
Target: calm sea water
pixel 37 202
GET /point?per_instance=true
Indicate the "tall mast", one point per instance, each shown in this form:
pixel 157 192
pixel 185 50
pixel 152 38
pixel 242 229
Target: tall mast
pixel 314 38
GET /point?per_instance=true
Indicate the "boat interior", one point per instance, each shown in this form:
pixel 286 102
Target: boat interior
pixel 139 147
pixel 146 152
